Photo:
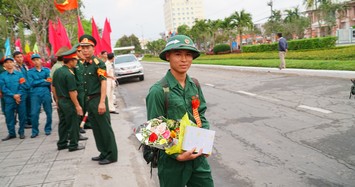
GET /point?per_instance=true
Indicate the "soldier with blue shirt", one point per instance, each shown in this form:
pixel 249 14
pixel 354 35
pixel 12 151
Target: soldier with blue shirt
pixel 14 87
pixel 40 82
pixel 21 67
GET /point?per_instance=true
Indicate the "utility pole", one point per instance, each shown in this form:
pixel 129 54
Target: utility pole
pixel 270 4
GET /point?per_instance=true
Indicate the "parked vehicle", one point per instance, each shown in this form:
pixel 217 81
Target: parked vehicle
pixel 128 66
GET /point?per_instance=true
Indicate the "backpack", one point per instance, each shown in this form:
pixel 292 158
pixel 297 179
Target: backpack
pixel 151 154
pixel 352 89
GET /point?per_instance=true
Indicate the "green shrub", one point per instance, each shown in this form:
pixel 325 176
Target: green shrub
pixel 221 48
pixel 312 43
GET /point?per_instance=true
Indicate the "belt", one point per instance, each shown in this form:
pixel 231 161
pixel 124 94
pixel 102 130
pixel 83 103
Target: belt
pixel 89 97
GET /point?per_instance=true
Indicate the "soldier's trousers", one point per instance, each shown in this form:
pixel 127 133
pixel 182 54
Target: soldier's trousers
pixel 193 173
pixel 102 130
pixel 68 122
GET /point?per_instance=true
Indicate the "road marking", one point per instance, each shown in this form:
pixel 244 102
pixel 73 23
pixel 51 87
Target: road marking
pixel 246 93
pixel 315 109
pixel 211 85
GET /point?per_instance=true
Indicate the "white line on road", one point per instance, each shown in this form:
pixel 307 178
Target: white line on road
pixel 315 109
pixel 211 85
pixel 246 93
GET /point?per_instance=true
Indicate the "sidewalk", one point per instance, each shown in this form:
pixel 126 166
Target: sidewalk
pixel 37 162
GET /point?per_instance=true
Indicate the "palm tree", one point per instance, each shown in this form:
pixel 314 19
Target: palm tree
pixel 292 14
pixel 242 21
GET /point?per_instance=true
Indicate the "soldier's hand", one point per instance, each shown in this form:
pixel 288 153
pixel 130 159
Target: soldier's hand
pixel 102 108
pixel 17 98
pixel 189 155
pixel 79 111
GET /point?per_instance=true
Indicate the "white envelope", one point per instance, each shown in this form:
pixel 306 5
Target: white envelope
pixel 199 138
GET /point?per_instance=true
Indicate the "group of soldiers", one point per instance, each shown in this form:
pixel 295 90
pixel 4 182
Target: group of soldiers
pixel 78 87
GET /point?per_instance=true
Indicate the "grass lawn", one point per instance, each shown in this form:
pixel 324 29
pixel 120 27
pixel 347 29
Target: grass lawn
pixel 340 58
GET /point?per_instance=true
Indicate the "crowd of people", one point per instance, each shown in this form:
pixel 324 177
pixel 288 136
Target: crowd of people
pixel 78 82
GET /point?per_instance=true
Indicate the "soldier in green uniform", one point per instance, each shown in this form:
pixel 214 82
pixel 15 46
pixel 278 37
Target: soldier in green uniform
pixel 66 95
pixel 79 77
pixel 96 102
pixel 187 168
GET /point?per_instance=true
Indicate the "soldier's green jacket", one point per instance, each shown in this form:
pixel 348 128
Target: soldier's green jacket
pixel 92 84
pixel 173 173
pixel 64 76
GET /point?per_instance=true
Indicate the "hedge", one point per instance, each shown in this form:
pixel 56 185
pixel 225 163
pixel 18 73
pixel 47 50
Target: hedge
pixel 312 43
pixel 221 48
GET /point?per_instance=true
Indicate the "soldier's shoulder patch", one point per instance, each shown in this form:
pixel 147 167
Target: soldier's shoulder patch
pixel 96 61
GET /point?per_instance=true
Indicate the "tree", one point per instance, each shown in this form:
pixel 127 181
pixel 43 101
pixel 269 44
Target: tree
pixel 242 21
pixel 199 32
pixel 132 40
pixel 274 23
pixel 183 29
pixel 155 47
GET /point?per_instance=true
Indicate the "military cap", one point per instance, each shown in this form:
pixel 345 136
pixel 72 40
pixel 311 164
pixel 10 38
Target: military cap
pixel 77 46
pixel 86 40
pixel 61 50
pixel 9 58
pixel 33 56
pixel 179 42
pixel 70 54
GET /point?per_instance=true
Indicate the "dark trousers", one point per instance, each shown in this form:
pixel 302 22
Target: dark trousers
pixel 102 130
pixel 67 128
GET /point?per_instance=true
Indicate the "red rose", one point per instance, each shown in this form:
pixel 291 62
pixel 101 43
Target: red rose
pixel 153 137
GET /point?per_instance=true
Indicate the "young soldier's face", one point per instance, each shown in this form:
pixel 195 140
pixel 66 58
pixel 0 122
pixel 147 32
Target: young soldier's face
pixel 37 62
pixel 19 58
pixel 9 65
pixel 87 51
pixel 180 60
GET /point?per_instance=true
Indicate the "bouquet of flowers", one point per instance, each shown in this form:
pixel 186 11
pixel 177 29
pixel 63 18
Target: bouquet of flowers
pixel 162 133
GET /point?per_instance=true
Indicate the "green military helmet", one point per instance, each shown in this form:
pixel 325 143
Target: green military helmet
pixel 35 56
pixel 179 42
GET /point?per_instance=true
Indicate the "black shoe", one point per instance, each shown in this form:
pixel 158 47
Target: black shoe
pixel 87 127
pixel 96 158
pixel 34 135
pixel 81 137
pixel 8 137
pixel 80 147
pixel 22 136
pixel 105 161
pixel 114 112
pixel 61 148
pixel 27 126
pixel 82 131
pixel 48 133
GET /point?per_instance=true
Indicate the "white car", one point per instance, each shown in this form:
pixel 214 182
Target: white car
pixel 128 66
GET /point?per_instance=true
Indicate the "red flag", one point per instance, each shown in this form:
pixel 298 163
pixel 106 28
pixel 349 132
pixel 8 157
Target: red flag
pixel 80 28
pixel 18 45
pixel 53 39
pixel 106 38
pixel 64 39
pixel 67 5
pixel 95 34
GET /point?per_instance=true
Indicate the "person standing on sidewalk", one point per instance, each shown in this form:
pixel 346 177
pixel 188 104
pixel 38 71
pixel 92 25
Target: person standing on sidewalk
pixel 40 82
pixel 111 82
pixel 21 67
pixel 283 46
pixel 187 168
pixel 66 95
pixel 14 88
pixel 96 100
pixel 79 77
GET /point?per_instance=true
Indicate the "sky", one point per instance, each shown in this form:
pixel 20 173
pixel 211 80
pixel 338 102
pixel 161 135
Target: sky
pixel 145 18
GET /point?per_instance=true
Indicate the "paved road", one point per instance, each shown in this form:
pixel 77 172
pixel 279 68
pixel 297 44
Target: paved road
pixel 274 128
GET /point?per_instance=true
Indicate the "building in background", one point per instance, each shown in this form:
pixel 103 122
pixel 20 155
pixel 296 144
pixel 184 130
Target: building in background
pixel 182 12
